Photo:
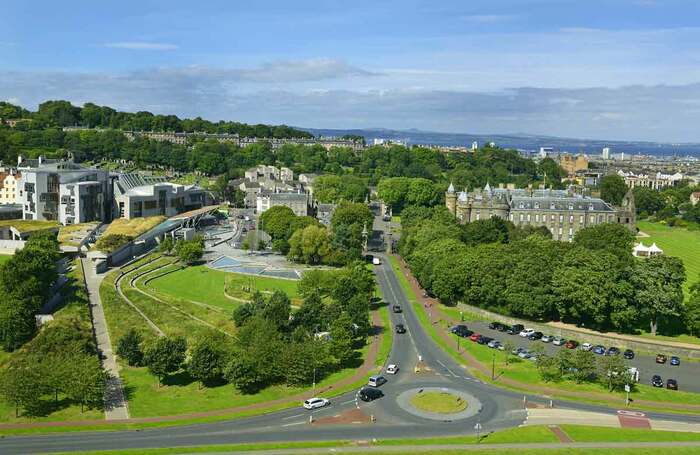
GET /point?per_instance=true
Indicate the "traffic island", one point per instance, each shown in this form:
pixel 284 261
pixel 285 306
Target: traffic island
pixel 439 403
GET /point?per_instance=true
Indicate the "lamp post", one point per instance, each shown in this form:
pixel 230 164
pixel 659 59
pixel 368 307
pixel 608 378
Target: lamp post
pixel 314 385
pixel 493 366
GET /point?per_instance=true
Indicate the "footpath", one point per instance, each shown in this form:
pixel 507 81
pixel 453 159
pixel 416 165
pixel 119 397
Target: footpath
pixel 360 374
pixel 431 307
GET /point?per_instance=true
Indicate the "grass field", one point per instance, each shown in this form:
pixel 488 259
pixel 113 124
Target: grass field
pixel 5 257
pixel 523 370
pixel 202 284
pixel 440 402
pixel 678 242
pixel 29 225
pixel 133 227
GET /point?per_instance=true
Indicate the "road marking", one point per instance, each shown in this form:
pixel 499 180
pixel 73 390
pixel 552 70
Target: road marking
pixel 293 423
pixel 347 402
pixel 292 417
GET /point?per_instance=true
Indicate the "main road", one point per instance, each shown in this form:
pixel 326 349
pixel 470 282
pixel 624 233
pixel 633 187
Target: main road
pixel 491 407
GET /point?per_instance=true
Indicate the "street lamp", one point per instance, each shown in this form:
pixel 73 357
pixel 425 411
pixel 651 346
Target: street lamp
pixel 493 366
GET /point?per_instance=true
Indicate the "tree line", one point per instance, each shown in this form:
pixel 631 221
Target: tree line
pixel 274 345
pixel 593 281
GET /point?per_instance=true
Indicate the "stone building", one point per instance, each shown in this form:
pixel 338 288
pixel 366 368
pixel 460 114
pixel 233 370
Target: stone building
pixel 563 212
pixel 572 164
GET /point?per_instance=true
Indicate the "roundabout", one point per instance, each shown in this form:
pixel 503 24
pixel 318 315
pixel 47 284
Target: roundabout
pixel 439 403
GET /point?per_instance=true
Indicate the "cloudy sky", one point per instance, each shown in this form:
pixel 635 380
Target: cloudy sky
pixel 607 69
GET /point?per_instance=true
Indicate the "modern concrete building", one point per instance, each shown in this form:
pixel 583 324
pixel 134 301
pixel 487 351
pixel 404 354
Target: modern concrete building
pixel 139 195
pixel 298 202
pixel 563 212
pixel 60 190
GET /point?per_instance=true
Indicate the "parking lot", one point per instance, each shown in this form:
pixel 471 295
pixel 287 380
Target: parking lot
pixel 687 373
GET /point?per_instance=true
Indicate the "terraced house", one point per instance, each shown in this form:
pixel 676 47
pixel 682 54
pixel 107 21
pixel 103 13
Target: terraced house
pixel 563 212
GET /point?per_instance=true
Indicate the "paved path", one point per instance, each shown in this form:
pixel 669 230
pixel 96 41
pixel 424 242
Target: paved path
pixel 432 308
pixel 114 400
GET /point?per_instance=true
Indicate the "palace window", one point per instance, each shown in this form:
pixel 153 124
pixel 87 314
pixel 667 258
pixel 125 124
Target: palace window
pixel 561 218
pixel 537 217
pixel 571 218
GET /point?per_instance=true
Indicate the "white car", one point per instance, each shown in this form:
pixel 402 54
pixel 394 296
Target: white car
pixel 586 346
pixel 392 369
pixel 558 341
pixel 314 403
pixel 547 338
pixel 526 333
pixel 376 261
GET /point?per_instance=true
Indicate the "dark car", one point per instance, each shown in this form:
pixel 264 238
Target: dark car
pixel 502 328
pixel 397 308
pixel 660 358
pixel 675 361
pixel 535 336
pixel 495 326
pixel 515 329
pixel 571 344
pixel 612 350
pixel 370 393
pixel 656 381
pixel 484 340
pixel 461 331
pixel 628 354
pixel 672 384
pixel 599 349
pixel 400 328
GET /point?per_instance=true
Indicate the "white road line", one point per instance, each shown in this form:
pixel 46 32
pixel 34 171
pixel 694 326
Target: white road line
pixel 292 417
pixel 348 402
pixel 294 423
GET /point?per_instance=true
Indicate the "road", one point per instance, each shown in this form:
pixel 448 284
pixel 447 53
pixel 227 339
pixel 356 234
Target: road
pixel 498 408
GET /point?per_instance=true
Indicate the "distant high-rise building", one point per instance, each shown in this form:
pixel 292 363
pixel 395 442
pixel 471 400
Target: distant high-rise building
pixel 606 153
pixel 475 146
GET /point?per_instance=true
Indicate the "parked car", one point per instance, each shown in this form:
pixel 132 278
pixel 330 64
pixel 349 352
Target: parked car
pixel 484 340
pixel 660 358
pixel 502 328
pixel 526 332
pixel 515 329
pixel 494 344
pixel 376 261
pixel 675 361
pixel 392 368
pixel 612 350
pixel 532 358
pixel 599 349
pixel 524 354
pixel 475 336
pixel 314 403
pixel 494 325
pixel 534 336
pixel 571 344
pixel 517 351
pixel 376 381
pixel 370 393
pixel 547 338
pixel 400 328
pixel 461 330
pixel 397 309
pixel 586 346
pixel 656 381
pixel 558 341
pixel 672 384
pixel 628 354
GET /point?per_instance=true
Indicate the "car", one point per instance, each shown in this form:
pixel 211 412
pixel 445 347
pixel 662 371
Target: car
pixel 524 354
pixel 517 351
pixel 628 354
pixel 392 368
pixel 599 349
pixel 502 328
pixel 532 358
pixel 461 330
pixel 376 381
pixel 558 341
pixel 475 336
pixel 494 344
pixel 526 332
pixel 514 329
pixel 672 384
pixel 675 361
pixel 534 336
pixel 400 328
pixel 612 350
pixel 656 381
pixel 370 394
pixel 376 261
pixel 314 403
pixel 660 358
pixel 397 308
pixel 484 340
pixel 547 338
pixel 571 344
pixel 586 346
pixel 495 326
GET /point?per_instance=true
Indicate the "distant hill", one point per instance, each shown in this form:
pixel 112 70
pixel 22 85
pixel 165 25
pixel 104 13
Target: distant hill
pixel 516 141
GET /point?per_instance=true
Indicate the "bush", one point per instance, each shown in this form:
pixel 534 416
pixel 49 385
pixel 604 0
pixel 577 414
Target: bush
pixel 112 242
pixel 129 348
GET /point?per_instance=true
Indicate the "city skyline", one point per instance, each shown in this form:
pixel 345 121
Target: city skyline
pixel 605 70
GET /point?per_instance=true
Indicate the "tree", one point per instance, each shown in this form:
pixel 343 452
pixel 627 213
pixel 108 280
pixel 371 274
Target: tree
pixel 612 237
pixel 342 339
pixel 393 191
pixel 129 348
pixel 207 357
pixel 86 381
pixel 276 221
pixel 166 246
pixel 548 367
pixel 21 384
pixel 508 347
pixel 165 356
pixel 278 309
pixel 310 245
pixel 309 315
pixel 648 201
pixel 241 371
pixel 613 371
pixel 613 189
pixel 190 251
pixel 658 288
pixel 583 366
pixel 692 310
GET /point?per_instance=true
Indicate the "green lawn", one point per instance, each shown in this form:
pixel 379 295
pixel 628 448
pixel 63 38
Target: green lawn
pixel 29 225
pixel 5 257
pixel 678 242
pixel 387 336
pixel 439 402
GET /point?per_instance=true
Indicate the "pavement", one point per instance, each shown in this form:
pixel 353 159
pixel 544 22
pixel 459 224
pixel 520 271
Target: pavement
pixel 116 407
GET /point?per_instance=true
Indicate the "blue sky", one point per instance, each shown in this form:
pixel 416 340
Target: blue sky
pixel 617 69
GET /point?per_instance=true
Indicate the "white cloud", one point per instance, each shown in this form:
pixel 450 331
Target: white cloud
pixel 142 46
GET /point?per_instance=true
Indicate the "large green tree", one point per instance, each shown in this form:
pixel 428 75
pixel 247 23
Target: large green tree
pixel 613 189
pixel 165 356
pixel 658 288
